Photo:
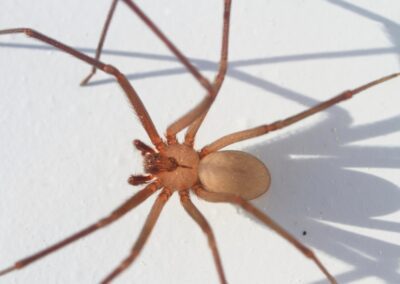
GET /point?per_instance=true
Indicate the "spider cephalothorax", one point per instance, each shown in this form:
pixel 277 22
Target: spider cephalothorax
pixel 176 166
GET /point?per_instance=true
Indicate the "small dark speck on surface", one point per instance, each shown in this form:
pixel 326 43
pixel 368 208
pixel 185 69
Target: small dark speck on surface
pixel 304 233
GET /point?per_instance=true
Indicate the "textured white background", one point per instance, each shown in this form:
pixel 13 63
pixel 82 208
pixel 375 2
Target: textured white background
pixel 65 151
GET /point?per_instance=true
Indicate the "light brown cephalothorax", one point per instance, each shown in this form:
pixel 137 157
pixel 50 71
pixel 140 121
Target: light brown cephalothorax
pixel 176 168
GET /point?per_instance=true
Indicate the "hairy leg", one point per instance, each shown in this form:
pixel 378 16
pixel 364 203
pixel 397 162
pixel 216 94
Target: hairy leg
pixel 219 79
pixel 130 92
pixel 101 41
pixel 237 200
pixel 144 235
pixel 205 104
pixel 264 129
pixel 182 58
pixel 199 218
pixel 127 206
pixel 198 113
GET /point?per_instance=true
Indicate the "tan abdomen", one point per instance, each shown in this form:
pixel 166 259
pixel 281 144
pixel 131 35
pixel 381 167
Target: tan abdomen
pixel 234 172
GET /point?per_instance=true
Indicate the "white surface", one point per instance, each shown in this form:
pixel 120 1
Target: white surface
pixel 66 151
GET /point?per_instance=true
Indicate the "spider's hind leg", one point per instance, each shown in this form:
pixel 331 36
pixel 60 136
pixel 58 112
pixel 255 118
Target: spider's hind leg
pixel 247 206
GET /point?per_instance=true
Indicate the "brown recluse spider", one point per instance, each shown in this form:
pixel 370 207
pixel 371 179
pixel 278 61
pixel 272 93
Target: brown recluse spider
pixel 215 176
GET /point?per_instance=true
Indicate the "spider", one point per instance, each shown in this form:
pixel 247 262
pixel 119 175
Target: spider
pixel 174 166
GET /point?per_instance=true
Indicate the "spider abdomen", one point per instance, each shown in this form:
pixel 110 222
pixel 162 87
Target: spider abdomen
pixel 234 172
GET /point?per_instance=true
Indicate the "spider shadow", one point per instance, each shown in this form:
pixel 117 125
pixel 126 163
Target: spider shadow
pixel 312 194
pixel 391 28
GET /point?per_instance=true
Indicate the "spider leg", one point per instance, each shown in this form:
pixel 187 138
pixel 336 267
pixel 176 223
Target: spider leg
pixel 199 218
pixel 182 58
pixel 219 79
pixel 127 206
pixel 237 200
pixel 144 235
pixel 264 129
pixel 101 41
pixel 212 89
pixel 130 92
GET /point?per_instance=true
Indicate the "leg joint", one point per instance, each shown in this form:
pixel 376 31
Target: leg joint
pixel 29 32
pixel 111 70
pixel 166 194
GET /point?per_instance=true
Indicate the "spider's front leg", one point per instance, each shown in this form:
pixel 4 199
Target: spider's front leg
pixel 195 116
pixel 128 89
pixel 100 45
